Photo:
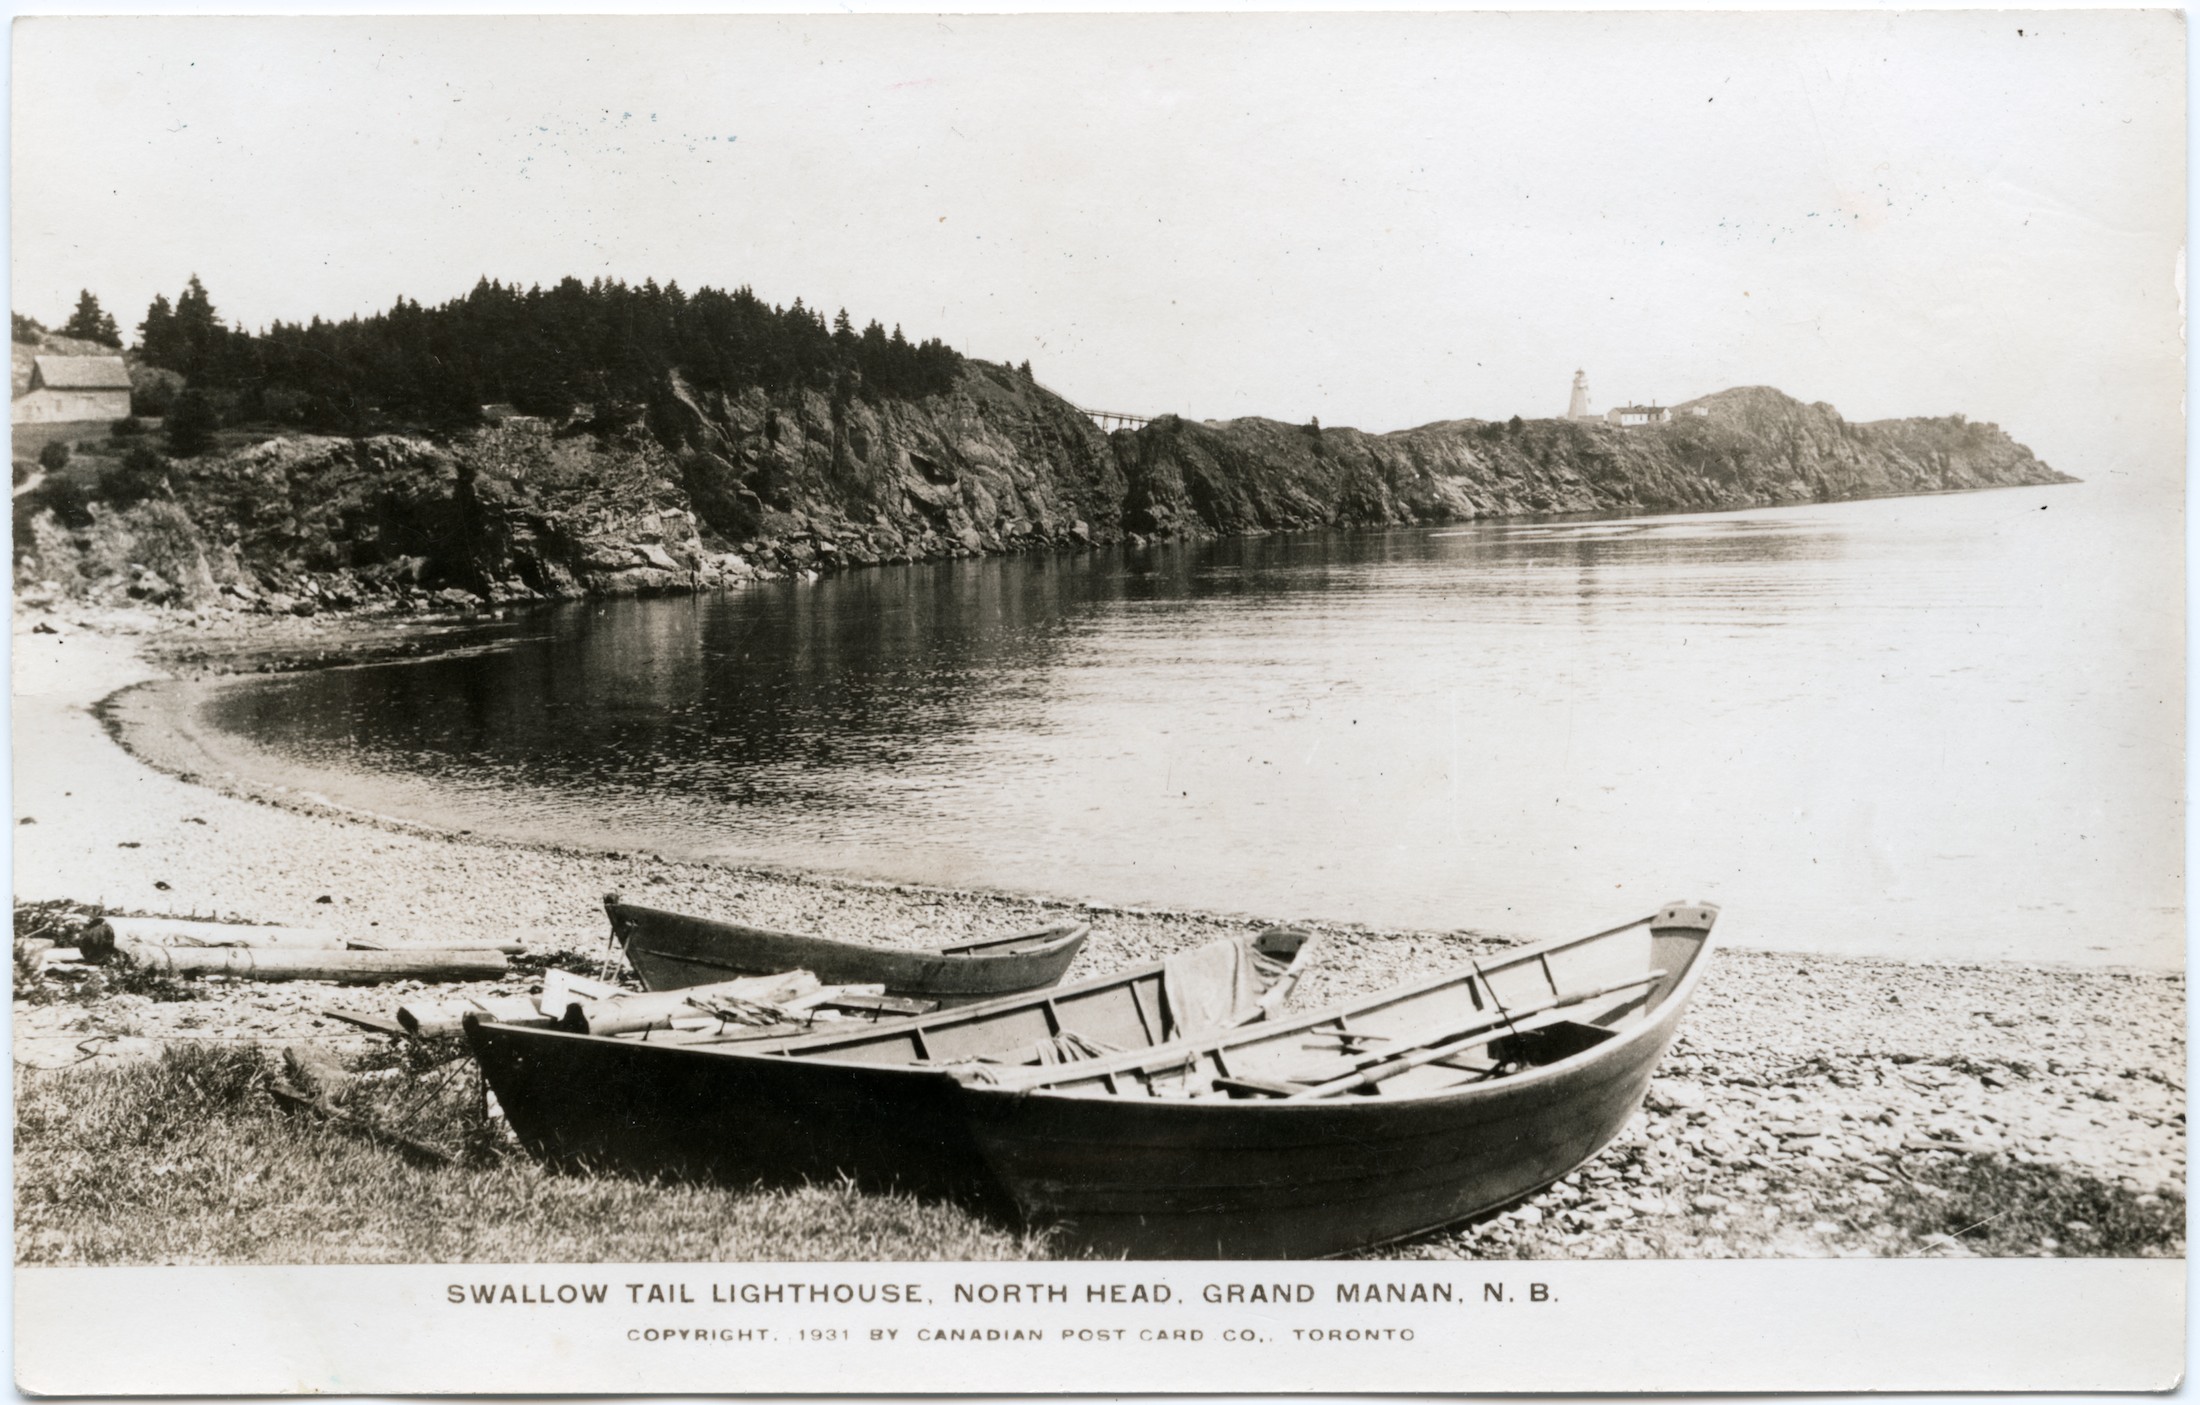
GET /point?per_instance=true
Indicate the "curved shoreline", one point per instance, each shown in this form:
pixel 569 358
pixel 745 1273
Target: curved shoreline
pixel 162 734
pixel 2076 1068
pixel 161 739
pixel 164 737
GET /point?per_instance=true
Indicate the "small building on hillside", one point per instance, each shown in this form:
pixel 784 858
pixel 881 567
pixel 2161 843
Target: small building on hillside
pixel 1628 416
pixel 65 388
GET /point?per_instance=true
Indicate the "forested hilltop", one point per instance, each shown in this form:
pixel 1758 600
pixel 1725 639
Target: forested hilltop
pixel 543 351
pixel 605 438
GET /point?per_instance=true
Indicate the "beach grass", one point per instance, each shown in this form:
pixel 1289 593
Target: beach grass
pixel 188 1159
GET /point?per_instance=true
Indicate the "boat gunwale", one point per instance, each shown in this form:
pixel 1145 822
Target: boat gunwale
pixel 1675 1001
pixel 525 1032
pixel 1055 934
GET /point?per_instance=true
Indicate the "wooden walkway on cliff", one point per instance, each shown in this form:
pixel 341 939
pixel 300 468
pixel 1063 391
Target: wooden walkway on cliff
pixel 1112 420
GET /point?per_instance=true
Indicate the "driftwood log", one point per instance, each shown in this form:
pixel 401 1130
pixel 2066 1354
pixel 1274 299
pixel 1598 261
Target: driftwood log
pixel 184 931
pixel 561 988
pixel 429 1019
pixel 369 944
pixel 433 1019
pixel 625 1014
pixel 292 964
pixel 102 935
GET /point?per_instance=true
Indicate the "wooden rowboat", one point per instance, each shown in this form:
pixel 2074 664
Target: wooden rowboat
pixel 869 1101
pixel 671 950
pixel 1376 1119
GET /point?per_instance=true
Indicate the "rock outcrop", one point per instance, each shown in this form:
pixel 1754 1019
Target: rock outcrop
pixel 1746 447
pixel 711 490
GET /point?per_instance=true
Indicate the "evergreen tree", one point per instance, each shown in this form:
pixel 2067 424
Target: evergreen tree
pixel 89 323
pixel 26 329
pixel 548 351
pixel 158 341
pixel 199 330
pixel 191 423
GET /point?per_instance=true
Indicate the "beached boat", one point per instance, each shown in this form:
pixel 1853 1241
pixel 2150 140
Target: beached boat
pixel 1379 1118
pixel 670 950
pixel 868 1100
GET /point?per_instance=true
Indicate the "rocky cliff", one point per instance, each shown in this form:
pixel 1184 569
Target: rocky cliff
pixel 1737 448
pixel 706 491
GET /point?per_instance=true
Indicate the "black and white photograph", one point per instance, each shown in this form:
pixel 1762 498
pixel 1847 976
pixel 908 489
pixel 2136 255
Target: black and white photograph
pixel 1099 701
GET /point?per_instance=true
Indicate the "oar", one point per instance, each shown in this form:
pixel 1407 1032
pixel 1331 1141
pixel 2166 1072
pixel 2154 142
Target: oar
pixel 1393 1062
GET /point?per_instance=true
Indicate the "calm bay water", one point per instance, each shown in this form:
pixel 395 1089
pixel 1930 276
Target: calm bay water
pixel 1946 726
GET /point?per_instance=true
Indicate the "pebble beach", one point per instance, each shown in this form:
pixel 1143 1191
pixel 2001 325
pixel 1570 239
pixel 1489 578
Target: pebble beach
pixel 1804 1090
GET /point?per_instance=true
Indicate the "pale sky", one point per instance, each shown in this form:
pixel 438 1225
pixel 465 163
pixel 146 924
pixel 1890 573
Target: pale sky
pixel 1377 219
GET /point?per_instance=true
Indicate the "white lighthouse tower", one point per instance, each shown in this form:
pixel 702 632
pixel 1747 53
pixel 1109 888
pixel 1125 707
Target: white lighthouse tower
pixel 1577 408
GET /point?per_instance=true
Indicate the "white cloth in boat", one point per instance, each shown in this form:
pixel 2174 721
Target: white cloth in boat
pixel 1215 987
pixel 1208 989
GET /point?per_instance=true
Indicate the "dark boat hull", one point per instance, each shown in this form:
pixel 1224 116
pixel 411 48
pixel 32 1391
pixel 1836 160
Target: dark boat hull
pixel 1130 1154
pixel 672 951
pixel 1125 1173
pixel 1149 1179
pixel 852 1099
pixel 657 1109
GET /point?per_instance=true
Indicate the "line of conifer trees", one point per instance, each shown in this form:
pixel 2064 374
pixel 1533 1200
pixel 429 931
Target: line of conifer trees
pixel 88 323
pixel 545 351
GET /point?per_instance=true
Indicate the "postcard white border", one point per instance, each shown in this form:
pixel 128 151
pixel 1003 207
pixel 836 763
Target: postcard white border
pixel 1739 1325
pixel 1508 1326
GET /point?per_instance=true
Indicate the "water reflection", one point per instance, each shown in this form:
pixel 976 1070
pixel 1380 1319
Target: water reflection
pixel 1848 721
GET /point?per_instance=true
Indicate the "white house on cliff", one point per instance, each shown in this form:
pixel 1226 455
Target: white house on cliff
pixel 66 388
pixel 1623 416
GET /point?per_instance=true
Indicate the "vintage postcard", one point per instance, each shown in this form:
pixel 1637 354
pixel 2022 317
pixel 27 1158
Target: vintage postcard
pixel 1451 702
